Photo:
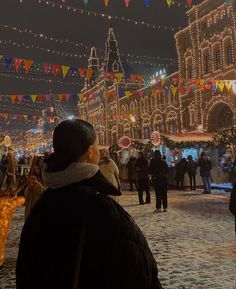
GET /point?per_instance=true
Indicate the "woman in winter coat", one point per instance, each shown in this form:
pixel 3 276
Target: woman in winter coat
pixel 109 170
pixel 77 237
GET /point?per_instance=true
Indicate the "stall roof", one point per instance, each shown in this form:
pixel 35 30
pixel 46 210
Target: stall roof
pixel 191 137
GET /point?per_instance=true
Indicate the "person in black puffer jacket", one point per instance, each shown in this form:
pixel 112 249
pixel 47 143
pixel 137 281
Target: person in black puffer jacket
pixel 76 236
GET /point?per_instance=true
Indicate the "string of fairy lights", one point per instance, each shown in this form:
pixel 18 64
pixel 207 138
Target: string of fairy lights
pixel 76 10
pixel 45 37
pixel 76 55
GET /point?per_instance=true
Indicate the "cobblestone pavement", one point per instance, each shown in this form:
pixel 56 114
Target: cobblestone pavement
pixel 194 242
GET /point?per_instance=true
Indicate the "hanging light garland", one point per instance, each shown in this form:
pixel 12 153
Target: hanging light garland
pixel 43 36
pixel 72 9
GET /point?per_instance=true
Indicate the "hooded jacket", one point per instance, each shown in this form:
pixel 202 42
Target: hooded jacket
pixel 115 254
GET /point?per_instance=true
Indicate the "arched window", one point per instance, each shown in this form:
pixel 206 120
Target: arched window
pixel 115 66
pixel 218 59
pixel 207 63
pixel 229 54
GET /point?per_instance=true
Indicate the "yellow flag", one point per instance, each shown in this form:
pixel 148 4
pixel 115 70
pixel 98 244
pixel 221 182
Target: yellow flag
pixel 221 86
pixel 169 2
pixel 81 96
pixel 1 56
pixel 33 97
pixel 65 70
pixel 106 2
pixel 25 116
pixel 128 93
pixel 228 85
pixel 174 90
pixel 163 81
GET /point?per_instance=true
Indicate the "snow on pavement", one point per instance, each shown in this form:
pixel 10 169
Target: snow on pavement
pixel 194 242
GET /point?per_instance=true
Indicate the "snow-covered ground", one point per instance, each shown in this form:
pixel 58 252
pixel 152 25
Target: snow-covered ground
pixel 194 242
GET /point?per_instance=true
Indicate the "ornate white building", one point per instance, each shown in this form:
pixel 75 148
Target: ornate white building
pixel 206 50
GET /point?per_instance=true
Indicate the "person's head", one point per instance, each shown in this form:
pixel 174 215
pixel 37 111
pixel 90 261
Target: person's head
pixel 164 157
pixel 203 155
pixel 25 171
pixel 73 141
pixel 183 160
pixel 157 154
pixel 189 158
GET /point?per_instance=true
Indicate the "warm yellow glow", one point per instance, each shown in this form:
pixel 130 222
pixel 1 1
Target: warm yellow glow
pixel 8 206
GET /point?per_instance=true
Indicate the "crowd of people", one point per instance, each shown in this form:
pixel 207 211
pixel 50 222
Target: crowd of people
pixel 75 227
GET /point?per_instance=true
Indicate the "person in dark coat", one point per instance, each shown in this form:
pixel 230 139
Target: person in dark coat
pixel 192 171
pixel 132 173
pixel 181 169
pixel 159 170
pixel 141 167
pixel 205 172
pixel 232 203
pixel 76 236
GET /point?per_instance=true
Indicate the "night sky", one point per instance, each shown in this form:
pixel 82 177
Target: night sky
pixel 58 23
pixel 89 30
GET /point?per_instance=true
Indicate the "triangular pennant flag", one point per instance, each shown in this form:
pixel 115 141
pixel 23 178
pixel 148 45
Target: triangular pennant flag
pixel 74 97
pixel 46 67
pixel 169 2
pixel 1 56
pixel 27 64
pixel 89 72
pixel 221 85
pixel 140 92
pixel 65 70
pixel 33 97
pixel 148 2
pixel 18 62
pixel 228 85
pixel 40 98
pixel 81 96
pixel 106 2
pixel 20 98
pixel 174 90
pixel 8 61
pixel 189 2
pixel 34 117
pixel 119 75
pixel 214 87
pixel 86 2
pixel 60 97
pixel 25 116
pixel 128 93
pixel 127 3
pixel 48 97
pixel 140 78
pixel 67 96
pixel 81 72
pixel 13 98
pixel 55 68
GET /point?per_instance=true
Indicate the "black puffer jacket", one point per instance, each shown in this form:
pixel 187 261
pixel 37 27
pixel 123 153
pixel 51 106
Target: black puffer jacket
pixel 115 255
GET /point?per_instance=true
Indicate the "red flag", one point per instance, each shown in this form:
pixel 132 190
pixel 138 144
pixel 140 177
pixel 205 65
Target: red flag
pixel 55 68
pixel 18 62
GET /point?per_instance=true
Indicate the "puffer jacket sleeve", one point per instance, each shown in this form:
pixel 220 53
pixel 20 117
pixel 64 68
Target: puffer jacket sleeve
pixel 119 249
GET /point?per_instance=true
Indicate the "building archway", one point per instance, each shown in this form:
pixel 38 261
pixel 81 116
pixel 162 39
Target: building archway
pixel 220 117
